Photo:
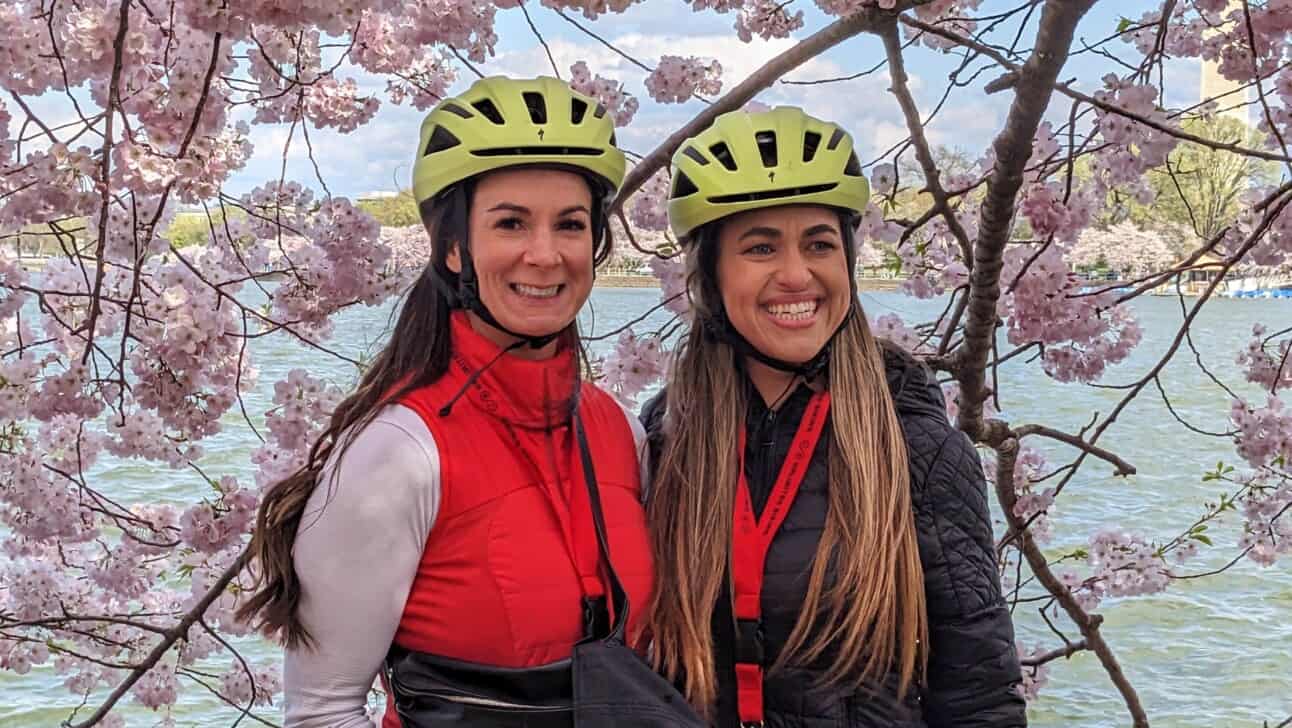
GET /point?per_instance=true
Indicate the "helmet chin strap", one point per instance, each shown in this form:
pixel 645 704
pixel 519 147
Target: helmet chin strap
pixel 720 328
pixel 469 299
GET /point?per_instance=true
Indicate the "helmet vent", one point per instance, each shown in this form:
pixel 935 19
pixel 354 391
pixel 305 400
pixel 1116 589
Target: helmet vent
pixel 488 110
pixel 835 138
pixel 766 141
pixel 811 140
pixel 440 140
pixel 538 151
pixel 537 107
pixel 683 186
pixel 578 107
pixel 723 155
pixel 694 155
pixel 456 110
pixel 773 194
pixel 853 168
pixel 613 143
pixel 600 111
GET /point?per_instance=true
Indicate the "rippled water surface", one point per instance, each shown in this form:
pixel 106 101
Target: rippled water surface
pixel 1209 652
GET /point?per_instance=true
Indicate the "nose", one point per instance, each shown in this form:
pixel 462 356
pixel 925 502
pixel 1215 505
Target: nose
pixel 794 274
pixel 541 251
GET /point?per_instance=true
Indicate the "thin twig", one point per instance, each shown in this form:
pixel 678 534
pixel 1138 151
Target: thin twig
pixel 172 636
pixel 867 19
pixel 555 71
pixel 1123 468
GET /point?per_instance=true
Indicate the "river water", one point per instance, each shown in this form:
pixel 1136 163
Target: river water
pixel 1208 652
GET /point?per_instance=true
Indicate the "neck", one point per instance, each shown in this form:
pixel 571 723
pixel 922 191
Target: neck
pixel 772 384
pixel 503 340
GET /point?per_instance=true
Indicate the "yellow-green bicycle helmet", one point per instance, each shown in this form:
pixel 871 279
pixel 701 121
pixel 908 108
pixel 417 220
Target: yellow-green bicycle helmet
pixel 748 161
pixel 504 122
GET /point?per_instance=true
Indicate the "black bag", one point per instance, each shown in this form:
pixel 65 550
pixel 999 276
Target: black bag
pixel 605 684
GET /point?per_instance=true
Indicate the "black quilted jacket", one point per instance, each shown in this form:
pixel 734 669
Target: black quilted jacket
pixel 973 668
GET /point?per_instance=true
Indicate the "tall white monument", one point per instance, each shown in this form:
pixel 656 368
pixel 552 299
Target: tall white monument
pixel 1213 85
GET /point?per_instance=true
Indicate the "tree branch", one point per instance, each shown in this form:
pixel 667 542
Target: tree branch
pixel 1067 90
pixel 1013 147
pixel 1006 460
pixel 118 51
pixel 868 19
pixel 1123 468
pixel 914 124
pixel 1051 656
pixel 172 636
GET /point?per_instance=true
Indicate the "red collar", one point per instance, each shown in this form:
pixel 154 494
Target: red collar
pixel 520 391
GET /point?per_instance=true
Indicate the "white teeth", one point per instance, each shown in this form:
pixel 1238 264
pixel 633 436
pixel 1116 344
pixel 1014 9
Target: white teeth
pixel 535 292
pixel 793 311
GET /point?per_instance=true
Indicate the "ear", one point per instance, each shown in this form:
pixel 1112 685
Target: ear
pixel 452 259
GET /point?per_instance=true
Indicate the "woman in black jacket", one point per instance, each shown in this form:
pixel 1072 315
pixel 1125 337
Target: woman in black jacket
pixel 822 541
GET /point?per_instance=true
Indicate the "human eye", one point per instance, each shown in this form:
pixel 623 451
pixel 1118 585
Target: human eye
pixel 508 223
pixel 822 246
pixel 572 224
pixel 760 249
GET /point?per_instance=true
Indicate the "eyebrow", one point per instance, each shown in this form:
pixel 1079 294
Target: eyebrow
pixel 771 232
pixel 822 228
pixel 511 207
pixel 768 232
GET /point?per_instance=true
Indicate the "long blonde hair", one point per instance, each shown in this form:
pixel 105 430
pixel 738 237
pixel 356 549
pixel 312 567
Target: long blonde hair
pixel 871 616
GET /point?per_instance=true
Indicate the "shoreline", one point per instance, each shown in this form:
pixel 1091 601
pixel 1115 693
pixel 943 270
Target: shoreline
pixel 622 281
pixel 34 264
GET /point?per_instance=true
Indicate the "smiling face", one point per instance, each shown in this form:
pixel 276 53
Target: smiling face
pixel 784 279
pixel 531 245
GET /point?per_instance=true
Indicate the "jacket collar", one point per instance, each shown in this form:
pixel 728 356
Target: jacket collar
pixel 522 392
pixel 913 387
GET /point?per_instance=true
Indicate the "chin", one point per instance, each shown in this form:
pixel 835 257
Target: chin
pixel 538 325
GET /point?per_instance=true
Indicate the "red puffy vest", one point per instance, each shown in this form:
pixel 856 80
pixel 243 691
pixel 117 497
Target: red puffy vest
pixel 513 551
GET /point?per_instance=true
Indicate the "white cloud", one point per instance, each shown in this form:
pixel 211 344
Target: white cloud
pixel 371 157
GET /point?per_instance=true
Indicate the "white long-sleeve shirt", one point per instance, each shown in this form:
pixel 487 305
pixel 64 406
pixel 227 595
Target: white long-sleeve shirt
pixel 356 554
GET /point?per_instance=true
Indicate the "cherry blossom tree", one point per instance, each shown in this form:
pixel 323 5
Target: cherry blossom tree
pixel 1123 248
pixel 127 348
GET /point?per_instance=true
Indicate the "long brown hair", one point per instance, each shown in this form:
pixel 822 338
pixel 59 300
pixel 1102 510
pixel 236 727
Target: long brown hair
pixel 869 614
pixel 417 354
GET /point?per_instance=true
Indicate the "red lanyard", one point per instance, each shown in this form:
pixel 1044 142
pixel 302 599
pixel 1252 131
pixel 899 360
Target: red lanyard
pixel 752 537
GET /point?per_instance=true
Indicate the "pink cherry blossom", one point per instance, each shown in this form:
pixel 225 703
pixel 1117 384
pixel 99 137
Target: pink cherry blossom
pixel 635 363
pixel 675 79
pixel 1268 364
pixel 766 19
pixel 649 207
pixel 673 289
pixel 621 105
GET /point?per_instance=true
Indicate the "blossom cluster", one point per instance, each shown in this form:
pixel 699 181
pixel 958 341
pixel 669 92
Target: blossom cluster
pixel 1267 524
pixel 621 105
pixel 1270 369
pixel 677 79
pixel 635 363
pixel 649 207
pixel 1130 147
pixel 302 406
pixel 1081 335
pixel 1033 506
pixel 1264 433
pixel 766 19
pixel 671 273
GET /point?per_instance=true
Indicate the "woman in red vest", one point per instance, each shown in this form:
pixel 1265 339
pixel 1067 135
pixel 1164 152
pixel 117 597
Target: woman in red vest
pixel 823 548
pixel 443 518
